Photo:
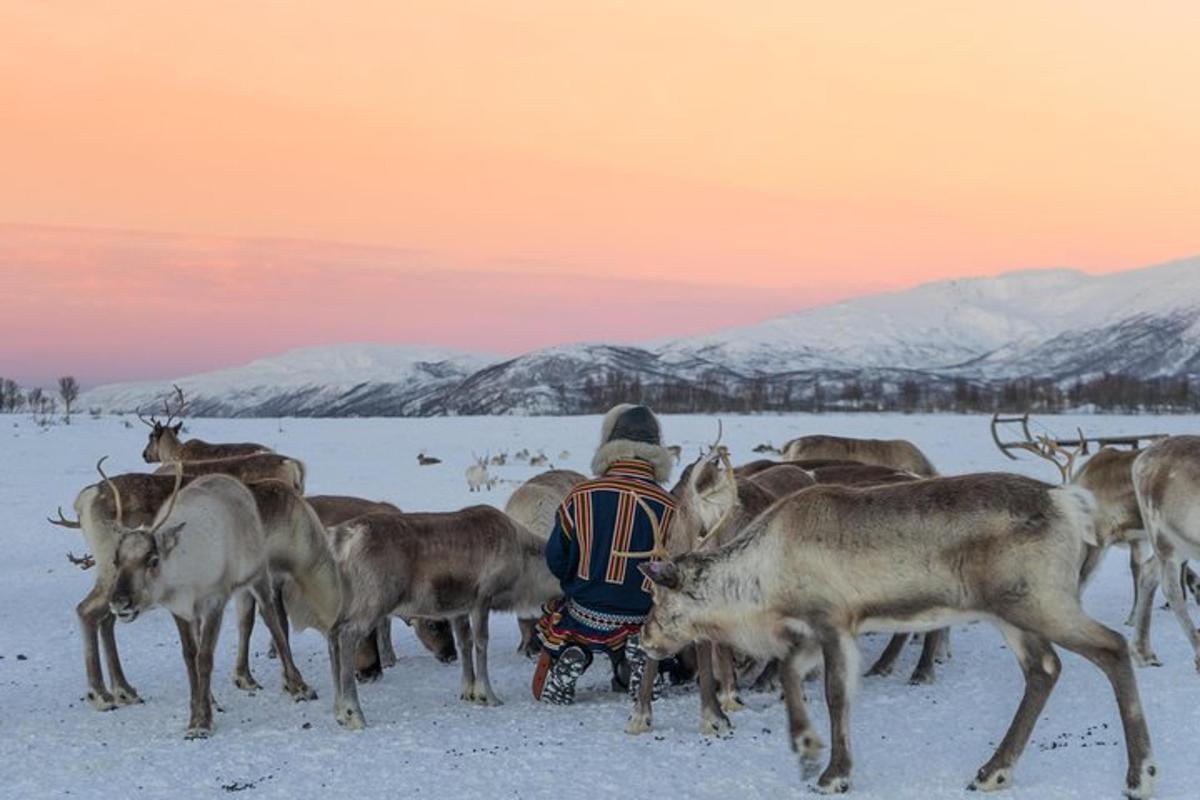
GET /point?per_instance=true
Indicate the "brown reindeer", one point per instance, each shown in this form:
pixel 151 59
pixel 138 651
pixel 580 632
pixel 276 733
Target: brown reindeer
pixel 165 445
pixel 534 504
pixel 459 566
pixel 377 653
pixel 829 562
pixel 247 469
pixel 895 453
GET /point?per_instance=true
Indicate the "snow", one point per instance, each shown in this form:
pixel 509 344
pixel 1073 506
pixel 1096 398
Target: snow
pixel 909 742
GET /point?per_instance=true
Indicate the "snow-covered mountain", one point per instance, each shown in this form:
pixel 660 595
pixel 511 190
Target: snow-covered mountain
pixel 1058 324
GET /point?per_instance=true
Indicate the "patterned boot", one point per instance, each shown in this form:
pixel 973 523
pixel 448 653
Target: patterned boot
pixel 635 657
pixel 559 688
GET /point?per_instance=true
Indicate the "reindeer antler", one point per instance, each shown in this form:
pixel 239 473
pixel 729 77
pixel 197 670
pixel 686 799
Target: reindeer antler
pixel 63 522
pixel 180 405
pixel 660 542
pixel 174 495
pixel 112 487
pixel 1045 447
pixel 86 561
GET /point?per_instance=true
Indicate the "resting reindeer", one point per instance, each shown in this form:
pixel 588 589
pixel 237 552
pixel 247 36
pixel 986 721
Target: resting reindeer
pixel 460 566
pixel 377 653
pixel 1166 477
pixel 534 504
pixel 213 547
pixel 829 562
pixel 101 515
pixel 895 453
pixel 247 469
pixel 712 506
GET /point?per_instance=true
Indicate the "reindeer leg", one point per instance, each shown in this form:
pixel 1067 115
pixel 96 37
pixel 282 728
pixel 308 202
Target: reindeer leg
pixel 642 717
pixel 805 741
pixel 726 677
pixel 368 666
pixel 1109 651
pixel 886 662
pixel 1148 580
pixel 924 673
pixel 201 724
pixel 841 670
pixel 383 643
pixel 125 694
pixel 1135 571
pixel 343 641
pixel 281 612
pixel 92 610
pixel 1041 666
pixel 1173 587
pixel 462 635
pixel 713 721
pixel 187 644
pixel 482 692
pixel 242 678
pixel 529 645
pixel 293 682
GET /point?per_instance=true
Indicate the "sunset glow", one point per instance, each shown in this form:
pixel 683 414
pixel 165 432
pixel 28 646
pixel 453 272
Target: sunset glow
pixel 508 174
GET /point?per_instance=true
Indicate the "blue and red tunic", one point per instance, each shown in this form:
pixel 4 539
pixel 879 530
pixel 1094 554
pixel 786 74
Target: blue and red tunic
pixel 605 597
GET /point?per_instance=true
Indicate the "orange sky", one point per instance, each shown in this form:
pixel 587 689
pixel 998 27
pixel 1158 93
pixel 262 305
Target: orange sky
pixel 797 150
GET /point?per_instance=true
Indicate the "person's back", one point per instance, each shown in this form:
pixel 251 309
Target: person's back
pixel 598 530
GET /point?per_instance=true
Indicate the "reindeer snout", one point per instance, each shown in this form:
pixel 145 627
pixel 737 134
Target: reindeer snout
pixel 123 608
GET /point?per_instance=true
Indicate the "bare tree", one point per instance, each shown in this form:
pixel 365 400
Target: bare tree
pixel 9 392
pixel 68 390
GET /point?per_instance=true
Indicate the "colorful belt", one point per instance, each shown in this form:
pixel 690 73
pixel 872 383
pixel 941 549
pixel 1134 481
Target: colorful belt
pixel 601 620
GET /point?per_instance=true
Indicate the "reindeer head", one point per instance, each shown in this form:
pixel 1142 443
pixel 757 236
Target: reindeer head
pixel 708 495
pixel 672 621
pixel 159 431
pixel 437 637
pixel 139 555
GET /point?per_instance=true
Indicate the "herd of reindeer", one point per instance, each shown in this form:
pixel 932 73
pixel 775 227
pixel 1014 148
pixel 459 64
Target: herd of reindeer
pixel 768 571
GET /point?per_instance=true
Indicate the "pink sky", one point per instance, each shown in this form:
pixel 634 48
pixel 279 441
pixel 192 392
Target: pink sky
pixel 515 173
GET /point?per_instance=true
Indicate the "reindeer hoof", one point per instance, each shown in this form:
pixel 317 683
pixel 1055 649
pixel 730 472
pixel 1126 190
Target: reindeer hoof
pixel 128 696
pixel 369 675
pixel 991 780
pixel 879 671
pixel 732 703
pixel 638 724
pixel 716 725
pixel 351 719
pixel 246 683
pixel 272 652
pixel 921 678
pixel 302 693
pixel 837 784
pixel 198 732
pixel 1141 785
pixel 1145 659
pixel 101 701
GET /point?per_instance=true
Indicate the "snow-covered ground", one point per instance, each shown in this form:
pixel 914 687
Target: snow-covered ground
pixel 422 742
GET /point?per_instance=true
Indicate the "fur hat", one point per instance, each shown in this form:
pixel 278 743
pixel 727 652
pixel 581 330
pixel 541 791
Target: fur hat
pixel 630 431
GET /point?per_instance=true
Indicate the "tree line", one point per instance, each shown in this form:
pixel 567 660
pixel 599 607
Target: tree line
pixel 14 399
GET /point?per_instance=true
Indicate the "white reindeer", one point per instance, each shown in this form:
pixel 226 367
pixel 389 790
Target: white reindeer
pixel 477 475
pixel 213 547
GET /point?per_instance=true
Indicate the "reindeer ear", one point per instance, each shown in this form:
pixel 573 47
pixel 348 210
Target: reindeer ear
pixel 662 573
pixel 177 427
pixel 169 537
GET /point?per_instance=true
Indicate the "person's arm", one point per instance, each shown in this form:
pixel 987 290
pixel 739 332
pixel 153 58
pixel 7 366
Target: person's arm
pixel 562 548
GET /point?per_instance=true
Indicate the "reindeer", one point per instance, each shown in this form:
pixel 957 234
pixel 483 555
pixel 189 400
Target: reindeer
pixel 499 460
pixel 377 653
pixel 533 505
pixel 164 443
pixel 477 475
pixel 829 562
pixel 459 566
pixel 676 452
pixel 713 505
pixel 101 510
pixel 214 547
pixel 1166 478
pixel 247 469
pixel 426 461
pixel 540 460
pixel 895 453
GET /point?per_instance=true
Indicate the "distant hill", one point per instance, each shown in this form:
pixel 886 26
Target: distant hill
pixel 1053 328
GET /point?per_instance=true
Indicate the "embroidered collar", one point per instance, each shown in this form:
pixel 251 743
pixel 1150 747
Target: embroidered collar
pixel 631 468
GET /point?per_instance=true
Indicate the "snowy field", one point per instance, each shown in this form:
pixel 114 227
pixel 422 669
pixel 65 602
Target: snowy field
pixel 909 742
